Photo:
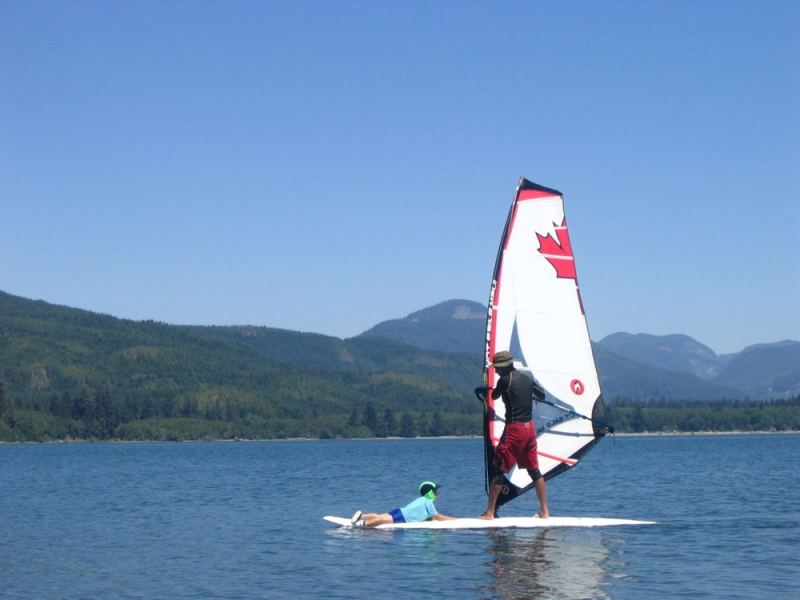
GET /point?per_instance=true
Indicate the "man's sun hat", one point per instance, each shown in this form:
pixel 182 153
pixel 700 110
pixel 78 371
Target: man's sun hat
pixel 503 359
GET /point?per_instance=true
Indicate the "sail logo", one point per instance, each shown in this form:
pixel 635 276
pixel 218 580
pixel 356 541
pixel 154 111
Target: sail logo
pixel 576 385
pixel 558 252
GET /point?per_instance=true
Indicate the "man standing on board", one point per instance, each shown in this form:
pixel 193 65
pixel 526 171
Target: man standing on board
pixel 518 443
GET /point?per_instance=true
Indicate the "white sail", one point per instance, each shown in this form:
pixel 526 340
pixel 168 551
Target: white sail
pixel 536 312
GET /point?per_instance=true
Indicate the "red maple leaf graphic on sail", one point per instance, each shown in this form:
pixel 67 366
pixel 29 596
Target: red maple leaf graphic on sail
pixel 558 253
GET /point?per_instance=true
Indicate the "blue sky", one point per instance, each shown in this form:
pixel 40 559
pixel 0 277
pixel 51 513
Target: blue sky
pixel 324 166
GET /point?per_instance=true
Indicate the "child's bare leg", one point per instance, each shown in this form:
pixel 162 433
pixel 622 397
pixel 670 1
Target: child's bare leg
pixel 375 519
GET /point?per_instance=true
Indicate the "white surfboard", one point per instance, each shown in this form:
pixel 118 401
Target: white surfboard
pixel 522 522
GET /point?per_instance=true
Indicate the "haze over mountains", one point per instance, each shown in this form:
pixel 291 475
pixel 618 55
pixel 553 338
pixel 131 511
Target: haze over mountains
pixel 633 366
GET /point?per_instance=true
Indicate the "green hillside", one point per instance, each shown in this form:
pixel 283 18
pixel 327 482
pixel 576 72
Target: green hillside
pixel 73 373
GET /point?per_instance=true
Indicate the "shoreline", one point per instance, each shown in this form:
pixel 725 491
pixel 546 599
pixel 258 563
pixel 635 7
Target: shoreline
pixel 689 433
pixel 390 438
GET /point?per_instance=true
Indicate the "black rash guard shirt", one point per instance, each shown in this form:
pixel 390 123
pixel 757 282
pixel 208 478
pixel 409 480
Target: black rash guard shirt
pixel 517 391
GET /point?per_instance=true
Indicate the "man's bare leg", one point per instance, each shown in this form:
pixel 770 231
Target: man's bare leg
pixel 494 492
pixel 541 492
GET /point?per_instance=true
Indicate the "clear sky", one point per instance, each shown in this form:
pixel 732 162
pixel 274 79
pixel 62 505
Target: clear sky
pixel 323 166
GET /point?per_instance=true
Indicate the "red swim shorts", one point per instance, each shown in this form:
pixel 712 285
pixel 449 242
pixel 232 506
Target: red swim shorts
pixel 517 446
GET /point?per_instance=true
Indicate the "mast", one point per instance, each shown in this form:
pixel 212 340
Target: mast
pixel 535 311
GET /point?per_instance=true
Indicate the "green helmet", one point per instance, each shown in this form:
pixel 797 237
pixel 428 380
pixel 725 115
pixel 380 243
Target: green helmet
pixel 429 489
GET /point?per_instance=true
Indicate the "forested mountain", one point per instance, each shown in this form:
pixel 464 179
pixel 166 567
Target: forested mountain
pixel 86 374
pixel 363 354
pixel 69 373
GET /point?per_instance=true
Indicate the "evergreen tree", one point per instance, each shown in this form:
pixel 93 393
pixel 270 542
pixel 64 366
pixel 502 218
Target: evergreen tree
pixel 104 406
pixel 148 409
pixel 168 408
pixel 370 419
pixel 5 405
pixel 423 424
pixel 214 412
pixel 389 422
pixel 353 422
pixel 131 410
pixel 408 428
pixel 638 423
pixel 83 406
pixel 60 405
pixel 186 408
pixel 437 427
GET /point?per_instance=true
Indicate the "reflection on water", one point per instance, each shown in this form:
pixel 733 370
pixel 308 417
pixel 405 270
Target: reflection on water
pixel 547 563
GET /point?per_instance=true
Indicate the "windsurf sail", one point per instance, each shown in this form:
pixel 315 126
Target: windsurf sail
pixel 535 311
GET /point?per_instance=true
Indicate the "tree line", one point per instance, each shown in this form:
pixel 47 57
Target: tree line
pixel 104 414
pixel 676 416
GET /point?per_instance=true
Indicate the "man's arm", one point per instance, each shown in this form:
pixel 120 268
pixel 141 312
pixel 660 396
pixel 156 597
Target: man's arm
pixel 502 386
pixel 482 392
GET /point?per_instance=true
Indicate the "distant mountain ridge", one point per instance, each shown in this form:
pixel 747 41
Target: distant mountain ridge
pixel 431 353
pixel 451 326
pixel 765 369
pixel 633 366
pixel 676 352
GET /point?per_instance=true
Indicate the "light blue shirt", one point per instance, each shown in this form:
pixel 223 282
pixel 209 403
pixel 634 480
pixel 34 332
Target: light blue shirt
pixel 420 509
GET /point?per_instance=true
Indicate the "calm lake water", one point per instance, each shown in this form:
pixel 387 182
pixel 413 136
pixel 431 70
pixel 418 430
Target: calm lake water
pixel 244 520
